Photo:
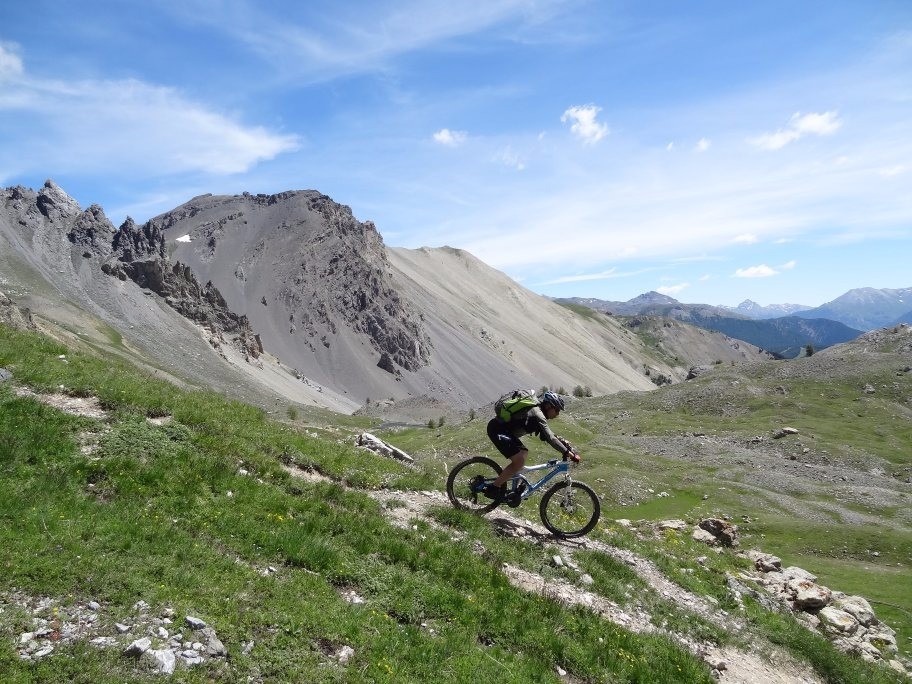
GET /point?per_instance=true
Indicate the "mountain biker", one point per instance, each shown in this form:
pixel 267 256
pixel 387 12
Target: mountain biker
pixel 505 436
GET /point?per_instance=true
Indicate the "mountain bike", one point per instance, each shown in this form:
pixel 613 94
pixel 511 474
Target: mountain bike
pixel 568 509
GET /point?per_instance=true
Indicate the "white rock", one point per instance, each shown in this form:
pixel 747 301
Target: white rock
pixel 793 572
pixel 838 620
pixel 558 561
pixel 46 651
pixel 809 596
pixel 345 654
pixel 104 641
pixel 702 535
pixel 678 525
pixel 858 608
pixel 164 660
pixel 898 666
pixel 138 647
pixel 121 628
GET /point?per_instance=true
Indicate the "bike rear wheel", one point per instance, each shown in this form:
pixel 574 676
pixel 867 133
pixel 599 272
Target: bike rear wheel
pixel 459 484
pixel 570 510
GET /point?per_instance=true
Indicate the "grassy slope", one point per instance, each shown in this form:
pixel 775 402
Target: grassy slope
pixel 157 524
pixel 835 420
pixel 148 515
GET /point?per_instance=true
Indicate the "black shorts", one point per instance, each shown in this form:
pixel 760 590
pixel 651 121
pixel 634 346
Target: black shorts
pixel 503 439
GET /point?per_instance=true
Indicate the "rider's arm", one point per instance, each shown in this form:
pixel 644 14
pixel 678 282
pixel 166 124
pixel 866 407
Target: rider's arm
pixel 544 432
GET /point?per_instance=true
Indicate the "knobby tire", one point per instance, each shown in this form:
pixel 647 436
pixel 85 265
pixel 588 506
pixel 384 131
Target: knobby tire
pixel 576 521
pixel 457 485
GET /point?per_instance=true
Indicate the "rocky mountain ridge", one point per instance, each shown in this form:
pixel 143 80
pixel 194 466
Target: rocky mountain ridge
pixel 288 297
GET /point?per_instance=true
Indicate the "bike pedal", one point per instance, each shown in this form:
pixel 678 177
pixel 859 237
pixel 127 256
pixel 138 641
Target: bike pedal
pixel 513 499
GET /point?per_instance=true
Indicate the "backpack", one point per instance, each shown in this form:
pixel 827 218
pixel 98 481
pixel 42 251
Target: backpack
pixel 514 402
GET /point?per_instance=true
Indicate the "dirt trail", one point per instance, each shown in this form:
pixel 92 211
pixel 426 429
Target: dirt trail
pixel 764 664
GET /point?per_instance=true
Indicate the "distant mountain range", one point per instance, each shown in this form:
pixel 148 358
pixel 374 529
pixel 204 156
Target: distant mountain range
pixel 866 308
pixel 839 321
pixel 753 310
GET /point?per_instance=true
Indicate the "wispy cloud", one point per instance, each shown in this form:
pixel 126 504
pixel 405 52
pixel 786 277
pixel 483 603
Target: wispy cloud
pixel 111 124
pixel 449 138
pixel 604 275
pixel 584 126
pixel 891 171
pixel 10 62
pixel 798 126
pixel 672 289
pixel 358 38
pixel 745 239
pixel 703 144
pixel 510 158
pixel 763 271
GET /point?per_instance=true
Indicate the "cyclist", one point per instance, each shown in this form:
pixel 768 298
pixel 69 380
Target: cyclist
pixel 505 436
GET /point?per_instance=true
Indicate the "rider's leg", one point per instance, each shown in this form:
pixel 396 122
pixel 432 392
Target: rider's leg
pixel 516 464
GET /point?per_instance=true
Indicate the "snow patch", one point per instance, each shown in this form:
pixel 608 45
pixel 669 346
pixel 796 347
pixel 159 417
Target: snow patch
pixel 184 238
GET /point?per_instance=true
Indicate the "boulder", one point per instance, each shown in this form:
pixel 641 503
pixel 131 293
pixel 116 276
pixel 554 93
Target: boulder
pixel 677 525
pixel 857 607
pixel 808 596
pixel 378 446
pixel 722 530
pixel 702 535
pixel 794 572
pixel 837 621
pixel 765 562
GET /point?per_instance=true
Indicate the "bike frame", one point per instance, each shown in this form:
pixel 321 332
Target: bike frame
pixel 554 467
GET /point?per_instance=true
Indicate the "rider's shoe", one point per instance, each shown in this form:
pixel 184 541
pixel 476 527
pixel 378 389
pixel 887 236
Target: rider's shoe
pixel 477 484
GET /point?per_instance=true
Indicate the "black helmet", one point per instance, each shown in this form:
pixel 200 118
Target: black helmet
pixel 552 399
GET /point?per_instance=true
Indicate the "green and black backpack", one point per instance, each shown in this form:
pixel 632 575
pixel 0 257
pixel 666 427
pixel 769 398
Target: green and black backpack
pixel 514 402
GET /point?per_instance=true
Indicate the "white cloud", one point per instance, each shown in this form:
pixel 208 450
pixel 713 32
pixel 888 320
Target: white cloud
pixel 670 146
pixel 10 62
pixel 745 239
pixel 104 125
pixel 449 138
pixel 508 157
pixel 798 126
pixel 604 275
pixel 584 125
pixel 788 265
pixel 891 171
pixel 672 289
pixel 703 144
pixel 761 271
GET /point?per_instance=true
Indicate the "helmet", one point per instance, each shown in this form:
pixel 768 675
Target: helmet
pixel 552 399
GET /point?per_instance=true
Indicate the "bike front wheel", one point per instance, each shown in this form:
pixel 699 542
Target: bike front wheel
pixel 461 478
pixel 570 509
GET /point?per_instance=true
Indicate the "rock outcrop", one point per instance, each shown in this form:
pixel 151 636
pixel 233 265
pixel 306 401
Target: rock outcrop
pixel 327 272
pixel 848 621
pixel 138 253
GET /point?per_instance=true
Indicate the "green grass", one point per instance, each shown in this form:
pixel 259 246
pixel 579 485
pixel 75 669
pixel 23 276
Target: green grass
pixel 163 513
pixel 148 515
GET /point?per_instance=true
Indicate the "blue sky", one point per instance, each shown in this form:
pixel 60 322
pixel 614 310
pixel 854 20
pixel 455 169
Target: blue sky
pixel 712 151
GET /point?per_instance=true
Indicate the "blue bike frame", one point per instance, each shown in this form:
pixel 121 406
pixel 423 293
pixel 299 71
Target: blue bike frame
pixel 554 467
